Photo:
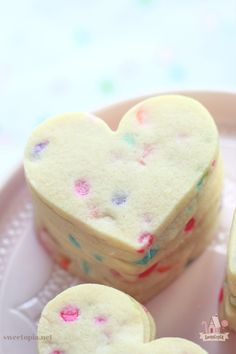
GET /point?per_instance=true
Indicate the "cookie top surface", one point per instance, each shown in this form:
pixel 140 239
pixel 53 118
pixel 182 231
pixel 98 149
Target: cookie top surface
pixel 124 185
pixel 92 318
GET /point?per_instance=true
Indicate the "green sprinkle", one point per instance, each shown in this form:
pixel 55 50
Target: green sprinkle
pixel 201 182
pixel 150 254
pixel 74 241
pixel 86 267
pixel 129 138
pixel 98 257
pixel 107 86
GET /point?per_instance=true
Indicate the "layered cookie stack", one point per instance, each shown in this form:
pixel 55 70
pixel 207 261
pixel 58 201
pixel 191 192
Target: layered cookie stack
pixel 228 297
pixel 91 318
pixel 129 208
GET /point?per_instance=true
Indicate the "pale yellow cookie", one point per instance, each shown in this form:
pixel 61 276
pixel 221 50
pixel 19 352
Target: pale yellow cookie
pixel 91 318
pixel 116 204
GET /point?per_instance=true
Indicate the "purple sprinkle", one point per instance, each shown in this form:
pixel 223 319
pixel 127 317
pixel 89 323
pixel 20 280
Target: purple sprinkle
pixel 119 199
pixel 38 148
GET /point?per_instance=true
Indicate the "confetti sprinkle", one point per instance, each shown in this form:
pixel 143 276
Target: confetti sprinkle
pixel 115 273
pixel 221 295
pixel 70 313
pixel 190 225
pixel 98 257
pixel 148 271
pixel 129 138
pixel 64 263
pixel 119 199
pixel 163 269
pixel 82 187
pixel 213 164
pixel 74 241
pixel 101 319
pixel 38 148
pixel 146 239
pixel 141 116
pixel 150 254
pixel 86 267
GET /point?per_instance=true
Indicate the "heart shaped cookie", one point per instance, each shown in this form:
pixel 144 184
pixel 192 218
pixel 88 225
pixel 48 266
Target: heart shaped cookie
pixel 93 318
pixel 228 295
pixel 129 207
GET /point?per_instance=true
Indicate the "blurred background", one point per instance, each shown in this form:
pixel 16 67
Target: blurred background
pixel 79 55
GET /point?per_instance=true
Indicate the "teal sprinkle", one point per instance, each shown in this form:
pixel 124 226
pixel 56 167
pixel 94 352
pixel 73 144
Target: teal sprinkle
pixel 98 257
pixel 201 181
pixel 149 255
pixel 200 184
pixel 86 267
pixel 129 138
pixel 74 241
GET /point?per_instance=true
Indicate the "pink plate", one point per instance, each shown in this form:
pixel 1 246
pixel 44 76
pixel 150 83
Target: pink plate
pixel 29 279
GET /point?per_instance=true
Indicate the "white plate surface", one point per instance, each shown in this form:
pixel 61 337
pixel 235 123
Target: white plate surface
pixel 29 279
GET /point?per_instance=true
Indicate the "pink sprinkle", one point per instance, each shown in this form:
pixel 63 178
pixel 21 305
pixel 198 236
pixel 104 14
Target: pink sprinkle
pixel 146 239
pixel 82 187
pixel 115 273
pixel 57 352
pixel 142 162
pixel 69 313
pixel 213 163
pixel 100 319
pixel 141 116
pixel 190 225
pixel 148 149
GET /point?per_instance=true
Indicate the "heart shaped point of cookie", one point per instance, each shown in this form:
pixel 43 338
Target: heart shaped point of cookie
pixel 123 326
pixel 130 198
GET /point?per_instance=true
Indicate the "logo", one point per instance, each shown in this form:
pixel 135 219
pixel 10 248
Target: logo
pixel 214 330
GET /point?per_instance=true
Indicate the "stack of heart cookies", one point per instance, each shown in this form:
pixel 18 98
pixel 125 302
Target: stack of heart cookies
pixel 228 297
pixel 91 318
pixel 128 208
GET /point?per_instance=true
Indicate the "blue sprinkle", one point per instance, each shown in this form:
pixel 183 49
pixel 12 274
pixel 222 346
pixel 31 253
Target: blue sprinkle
pixel 119 199
pixel 86 267
pixel 74 241
pixel 38 148
pixel 98 257
pixel 129 138
pixel 149 255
